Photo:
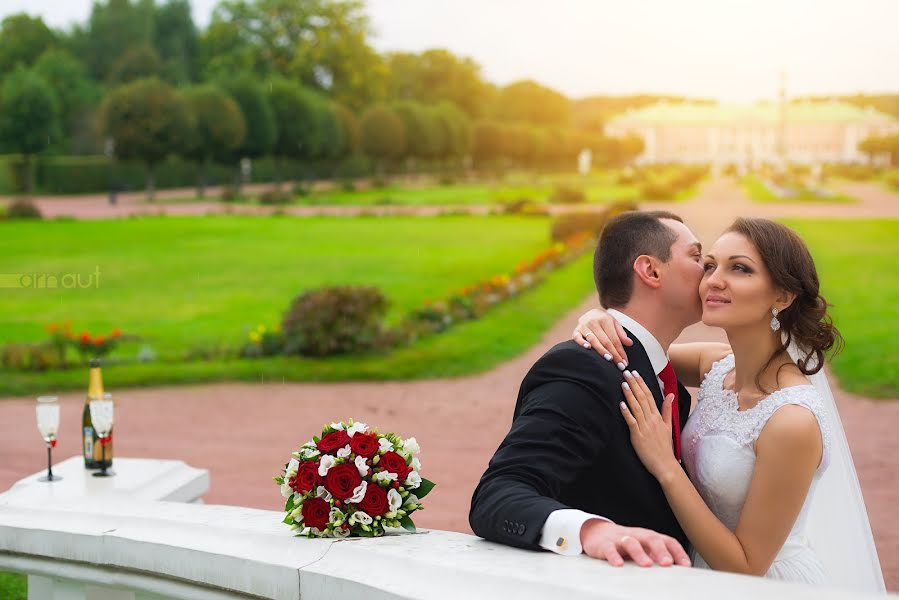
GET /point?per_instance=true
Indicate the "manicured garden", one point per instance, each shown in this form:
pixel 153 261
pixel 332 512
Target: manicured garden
pixel 195 289
pixel 789 189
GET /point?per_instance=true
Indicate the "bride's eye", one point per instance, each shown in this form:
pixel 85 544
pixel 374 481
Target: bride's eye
pixel 706 266
pixel 742 268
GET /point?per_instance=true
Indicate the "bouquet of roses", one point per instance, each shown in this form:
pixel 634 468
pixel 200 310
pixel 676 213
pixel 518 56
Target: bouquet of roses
pixel 353 481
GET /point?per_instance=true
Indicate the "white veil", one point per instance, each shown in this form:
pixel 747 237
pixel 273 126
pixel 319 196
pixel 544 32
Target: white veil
pixel 837 526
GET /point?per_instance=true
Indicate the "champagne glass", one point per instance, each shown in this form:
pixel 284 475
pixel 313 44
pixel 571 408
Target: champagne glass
pixel 101 417
pixel 48 425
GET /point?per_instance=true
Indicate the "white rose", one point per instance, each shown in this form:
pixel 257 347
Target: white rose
pixel 394 500
pixel 384 445
pixel 411 447
pixel 362 466
pixel 323 493
pixel 325 465
pixel 337 426
pixel 415 464
pixel 358 493
pixel 292 467
pixel 413 480
pixel 384 476
pixel 361 517
pixel 344 452
pixel 286 490
pixel 411 499
pixel 357 428
pixel 340 532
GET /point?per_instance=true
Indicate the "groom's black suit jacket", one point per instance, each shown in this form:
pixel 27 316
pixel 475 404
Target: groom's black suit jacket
pixel 569 447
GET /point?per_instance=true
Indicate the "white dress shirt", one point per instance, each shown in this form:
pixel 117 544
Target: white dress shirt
pixel 561 532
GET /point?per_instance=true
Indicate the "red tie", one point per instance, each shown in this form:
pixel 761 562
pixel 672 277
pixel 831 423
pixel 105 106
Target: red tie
pixel 669 382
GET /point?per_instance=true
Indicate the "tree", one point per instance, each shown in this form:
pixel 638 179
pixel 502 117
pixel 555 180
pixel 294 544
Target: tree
pixel 175 38
pixel 457 130
pixel 74 89
pixel 139 62
pixel 224 51
pixel 147 120
pixel 350 133
pixel 321 43
pixel 298 113
pixel 29 117
pixel 419 125
pixel 530 102
pixel 22 39
pixel 218 129
pixel 887 145
pixel 113 27
pixel 488 141
pixel 258 116
pixel 383 135
pixel 437 75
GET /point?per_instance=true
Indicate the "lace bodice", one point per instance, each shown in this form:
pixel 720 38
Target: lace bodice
pixel 719 455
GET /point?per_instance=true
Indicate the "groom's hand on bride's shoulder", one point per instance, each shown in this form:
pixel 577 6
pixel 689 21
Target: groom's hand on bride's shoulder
pixel 615 543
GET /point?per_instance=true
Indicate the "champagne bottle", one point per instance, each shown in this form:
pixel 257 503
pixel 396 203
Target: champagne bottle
pixel 94 455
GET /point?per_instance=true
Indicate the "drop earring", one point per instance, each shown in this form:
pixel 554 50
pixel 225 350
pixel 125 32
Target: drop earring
pixel 775 324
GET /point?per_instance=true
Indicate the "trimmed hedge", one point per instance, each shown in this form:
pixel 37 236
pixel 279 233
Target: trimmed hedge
pixel 96 174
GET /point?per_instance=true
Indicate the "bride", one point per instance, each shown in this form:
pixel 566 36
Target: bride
pixel 762 434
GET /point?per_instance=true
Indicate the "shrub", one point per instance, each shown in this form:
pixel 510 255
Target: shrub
pixel 567 194
pixel 229 193
pixel 566 226
pixel 274 196
pixel 658 190
pixel 892 179
pixel 515 207
pixel 336 320
pixel 23 208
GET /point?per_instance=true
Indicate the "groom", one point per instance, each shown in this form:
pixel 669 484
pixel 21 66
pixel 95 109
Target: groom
pixel 566 477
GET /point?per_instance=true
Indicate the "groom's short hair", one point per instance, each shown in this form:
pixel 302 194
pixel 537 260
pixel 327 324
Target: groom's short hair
pixel 623 239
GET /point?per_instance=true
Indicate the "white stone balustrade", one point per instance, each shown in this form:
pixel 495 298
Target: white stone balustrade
pixel 118 547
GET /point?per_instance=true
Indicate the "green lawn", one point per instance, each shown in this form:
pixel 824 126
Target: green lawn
pixel 856 261
pixel 13 586
pixel 187 282
pixel 759 192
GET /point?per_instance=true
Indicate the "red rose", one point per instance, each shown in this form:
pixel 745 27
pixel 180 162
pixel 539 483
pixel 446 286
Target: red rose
pixel 364 444
pixel 394 463
pixel 375 501
pixel 307 477
pixel 316 513
pixel 342 480
pixel 333 442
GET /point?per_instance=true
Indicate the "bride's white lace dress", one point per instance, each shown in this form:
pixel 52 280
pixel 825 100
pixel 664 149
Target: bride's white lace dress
pixel 718 452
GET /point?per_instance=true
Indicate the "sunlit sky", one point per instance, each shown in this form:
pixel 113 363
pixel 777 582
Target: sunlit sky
pixel 732 50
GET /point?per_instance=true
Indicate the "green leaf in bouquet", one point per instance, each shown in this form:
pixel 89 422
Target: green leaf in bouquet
pixel 288 520
pixel 289 506
pixel 407 524
pixel 424 489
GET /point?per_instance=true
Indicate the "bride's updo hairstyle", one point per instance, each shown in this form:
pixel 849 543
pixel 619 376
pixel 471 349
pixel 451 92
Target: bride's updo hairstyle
pixel 805 322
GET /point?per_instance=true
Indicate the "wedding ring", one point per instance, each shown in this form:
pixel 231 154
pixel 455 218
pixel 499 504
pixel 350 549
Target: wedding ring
pixel 588 334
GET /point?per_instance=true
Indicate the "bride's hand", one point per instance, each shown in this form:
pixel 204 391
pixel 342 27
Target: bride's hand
pixel 597 329
pixel 650 430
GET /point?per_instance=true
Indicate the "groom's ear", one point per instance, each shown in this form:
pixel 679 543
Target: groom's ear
pixel 647 269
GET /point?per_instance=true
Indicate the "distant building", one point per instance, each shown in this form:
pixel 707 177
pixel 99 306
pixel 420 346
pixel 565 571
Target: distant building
pixel 751 135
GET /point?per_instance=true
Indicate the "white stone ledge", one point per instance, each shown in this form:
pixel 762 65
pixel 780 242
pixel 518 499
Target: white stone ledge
pixel 201 552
